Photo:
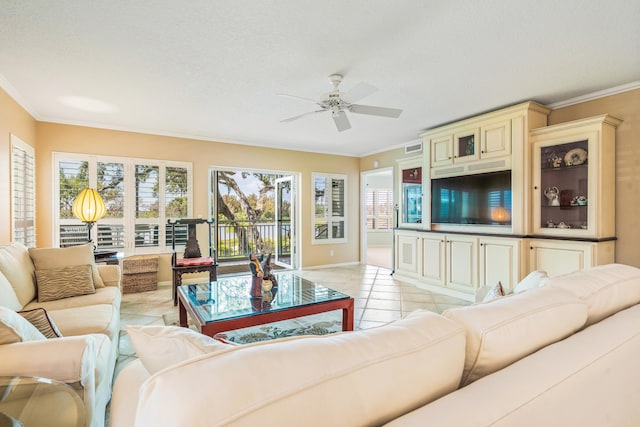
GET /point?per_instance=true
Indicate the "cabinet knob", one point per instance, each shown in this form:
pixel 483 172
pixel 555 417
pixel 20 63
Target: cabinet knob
pixel 531 247
pixel 535 187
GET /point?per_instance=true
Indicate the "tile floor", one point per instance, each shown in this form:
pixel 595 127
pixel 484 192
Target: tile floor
pixel 379 298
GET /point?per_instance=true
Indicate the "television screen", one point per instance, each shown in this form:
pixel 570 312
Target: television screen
pixel 472 199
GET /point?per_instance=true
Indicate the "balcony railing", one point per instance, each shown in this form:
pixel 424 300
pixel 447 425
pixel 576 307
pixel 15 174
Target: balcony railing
pixel 236 240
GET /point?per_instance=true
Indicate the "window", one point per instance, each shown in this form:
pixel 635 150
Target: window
pixel 329 209
pixel 23 195
pixel 139 195
pixel 379 206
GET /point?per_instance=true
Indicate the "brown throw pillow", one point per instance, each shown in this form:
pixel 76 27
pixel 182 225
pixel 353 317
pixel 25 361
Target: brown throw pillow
pixel 64 282
pixel 39 318
pixel 47 258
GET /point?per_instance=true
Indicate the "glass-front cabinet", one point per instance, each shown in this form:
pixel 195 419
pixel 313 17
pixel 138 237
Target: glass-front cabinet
pixel 573 172
pixel 410 176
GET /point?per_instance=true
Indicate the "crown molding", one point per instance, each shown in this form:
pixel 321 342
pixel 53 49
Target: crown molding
pixel 13 93
pixel 595 95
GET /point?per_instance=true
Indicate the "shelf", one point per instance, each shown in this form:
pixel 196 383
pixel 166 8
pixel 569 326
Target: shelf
pixel 565 168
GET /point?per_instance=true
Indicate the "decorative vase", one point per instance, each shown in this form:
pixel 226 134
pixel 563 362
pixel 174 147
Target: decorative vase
pixel 552 194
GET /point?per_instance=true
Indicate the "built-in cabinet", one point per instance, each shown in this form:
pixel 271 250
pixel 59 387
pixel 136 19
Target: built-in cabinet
pixel 562 192
pixel 558 257
pixel 449 260
pixel 407 254
pixel 457 263
pixel 500 260
pixel 410 180
pixel 573 191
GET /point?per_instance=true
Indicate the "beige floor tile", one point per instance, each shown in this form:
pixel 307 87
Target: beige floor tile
pixel 409 306
pixel 381 315
pixel 385 295
pixel 383 304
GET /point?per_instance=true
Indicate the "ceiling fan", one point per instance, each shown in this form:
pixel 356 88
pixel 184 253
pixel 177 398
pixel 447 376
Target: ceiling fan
pixel 338 103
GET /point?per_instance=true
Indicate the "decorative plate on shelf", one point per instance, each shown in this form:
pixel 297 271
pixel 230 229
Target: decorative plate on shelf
pixel 575 157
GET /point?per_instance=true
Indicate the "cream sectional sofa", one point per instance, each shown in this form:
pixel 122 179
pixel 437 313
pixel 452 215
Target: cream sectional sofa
pixel 85 355
pixel 563 354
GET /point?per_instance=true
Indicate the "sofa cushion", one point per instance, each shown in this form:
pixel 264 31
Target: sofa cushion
pixel 494 292
pixel 161 346
pixel 39 318
pixel 107 295
pixel 605 289
pixel 15 328
pixel 8 297
pixel 533 280
pixel 94 319
pixel 385 371
pixel 16 265
pixel 64 282
pixel 48 258
pixel 507 329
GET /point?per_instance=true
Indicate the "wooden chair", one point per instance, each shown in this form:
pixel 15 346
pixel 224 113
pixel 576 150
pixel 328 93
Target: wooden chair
pixel 192 261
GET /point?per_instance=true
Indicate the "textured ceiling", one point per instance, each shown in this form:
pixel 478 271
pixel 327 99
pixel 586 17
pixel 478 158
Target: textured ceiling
pixel 211 69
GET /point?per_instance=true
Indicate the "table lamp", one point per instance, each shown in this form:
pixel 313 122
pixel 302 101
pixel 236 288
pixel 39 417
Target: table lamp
pixel 89 207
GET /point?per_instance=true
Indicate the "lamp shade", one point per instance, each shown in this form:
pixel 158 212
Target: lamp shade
pixel 89 206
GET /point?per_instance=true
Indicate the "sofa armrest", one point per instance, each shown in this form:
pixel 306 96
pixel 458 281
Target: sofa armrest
pixel 65 359
pixel 110 274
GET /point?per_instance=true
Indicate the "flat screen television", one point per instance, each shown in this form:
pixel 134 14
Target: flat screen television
pixel 483 199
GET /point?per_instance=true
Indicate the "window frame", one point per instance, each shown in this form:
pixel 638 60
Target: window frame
pixel 376 215
pixel 129 219
pixel 21 192
pixel 329 203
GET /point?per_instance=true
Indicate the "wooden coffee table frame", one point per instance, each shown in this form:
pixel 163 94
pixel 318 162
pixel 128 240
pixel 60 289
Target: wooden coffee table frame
pixel 210 329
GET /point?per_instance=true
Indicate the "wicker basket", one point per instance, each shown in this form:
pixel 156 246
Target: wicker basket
pixel 140 282
pixel 140 264
pixel 139 274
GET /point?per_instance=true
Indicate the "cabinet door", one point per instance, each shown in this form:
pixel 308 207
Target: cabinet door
pixel 499 262
pixel 441 150
pixel 465 145
pixel 557 258
pixel 407 254
pixel 564 190
pixel 433 259
pixel 411 191
pixel 461 258
pixel 495 139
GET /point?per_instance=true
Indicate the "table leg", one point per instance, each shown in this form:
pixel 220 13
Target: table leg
pixel 347 317
pixel 182 314
pixel 177 281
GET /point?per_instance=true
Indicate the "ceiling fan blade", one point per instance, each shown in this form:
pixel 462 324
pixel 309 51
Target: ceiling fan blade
pixel 298 97
pixel 341 120
pixel 290 119
pixel 359 91
pixel 375 111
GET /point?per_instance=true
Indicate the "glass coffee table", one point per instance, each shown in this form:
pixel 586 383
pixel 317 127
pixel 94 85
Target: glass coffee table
pixel 226 304
pixel 39 402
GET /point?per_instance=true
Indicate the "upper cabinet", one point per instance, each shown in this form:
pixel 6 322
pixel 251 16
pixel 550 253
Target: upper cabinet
pixel 483 143
pixel 492 143
pixel 573 179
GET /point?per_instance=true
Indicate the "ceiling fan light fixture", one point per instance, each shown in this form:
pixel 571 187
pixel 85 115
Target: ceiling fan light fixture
pixel 337 106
